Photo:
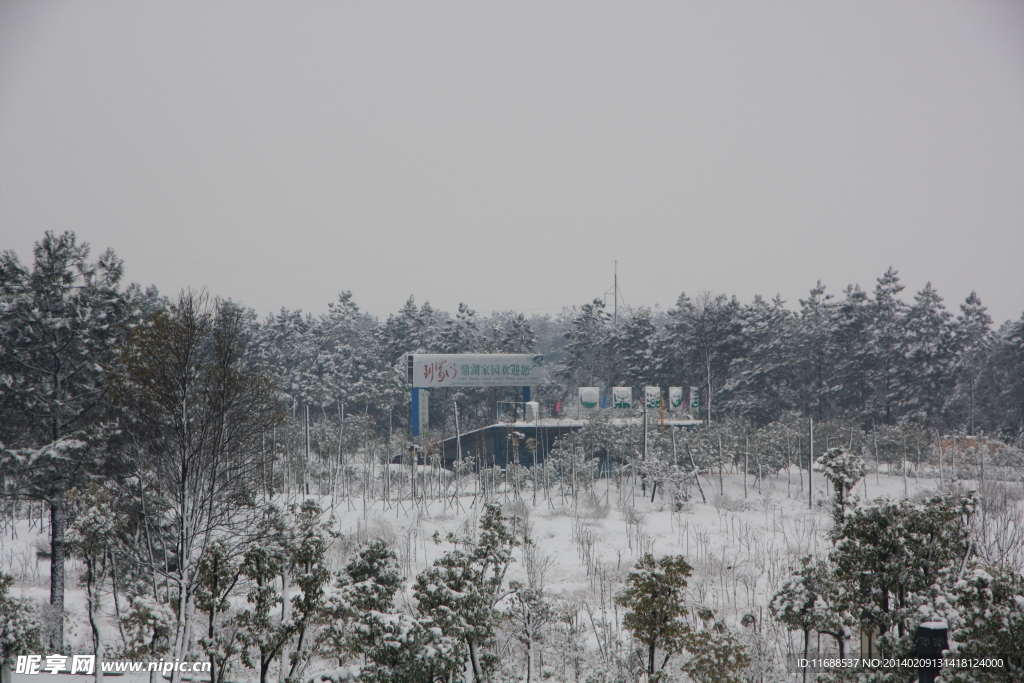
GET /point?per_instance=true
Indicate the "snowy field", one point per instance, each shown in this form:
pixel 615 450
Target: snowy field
pixel 741 543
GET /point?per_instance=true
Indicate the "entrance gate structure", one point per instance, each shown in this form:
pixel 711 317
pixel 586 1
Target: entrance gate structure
pixel 429 370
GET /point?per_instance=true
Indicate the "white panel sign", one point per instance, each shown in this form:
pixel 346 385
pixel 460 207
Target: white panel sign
pixel 622 397
pixel 475 370
pixel 424 410
pixel 590 398
pixel 652 397
pixel 675 398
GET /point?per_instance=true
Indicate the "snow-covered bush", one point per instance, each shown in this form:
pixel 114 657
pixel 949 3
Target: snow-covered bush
pixel 843 470
pixel 20 626
pixel 990 626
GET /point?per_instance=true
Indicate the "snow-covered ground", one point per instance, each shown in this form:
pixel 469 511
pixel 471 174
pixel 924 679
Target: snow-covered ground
pixel 740 543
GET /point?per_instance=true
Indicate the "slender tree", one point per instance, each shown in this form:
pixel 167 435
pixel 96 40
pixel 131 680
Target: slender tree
pixel 193 410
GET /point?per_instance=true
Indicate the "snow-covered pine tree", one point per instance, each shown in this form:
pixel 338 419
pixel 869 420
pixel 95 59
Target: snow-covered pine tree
pixel 632 350
pixel 972 342
pixel 531 612
pixel 458 593
pixel 989 626
pixel 220 570
pixel 927 376
pixel 763 384
pixel 887 348
pixel 365 625
pixel 851 331
pixel 808 602
pixel 93 536
pixel 843 470
pixel 283 623
pixel 60 322
pixel 816 353
pixel 1001 383
pixel 512 333
pixel 888 554
pixel 704 333
pixel 716 653
pixel 412 330
pixel 587 360
pixel 655 605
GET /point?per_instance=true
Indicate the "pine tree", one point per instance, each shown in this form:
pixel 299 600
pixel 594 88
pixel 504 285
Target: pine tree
pixel 888 344
pixel 531 612
pixel 60 322
pixel 817 353
pixel 286 352
pixel 654 600
pixel 587 360
pixel 1001 382
pixel 852 331
pixel 888 554
pixel 972 341
pixel 513 334
pixel 411 330
pixel 928 373
pixel 716 654
pixel 292 552
pixel 220 571
pixel 93 534
pixel 807 603
pixel 631 345
pixel 989 625
pixel 461 334
pixel 763 383
pixel 458 593
pixel 843 470
pixel 705 333
pixel 368 584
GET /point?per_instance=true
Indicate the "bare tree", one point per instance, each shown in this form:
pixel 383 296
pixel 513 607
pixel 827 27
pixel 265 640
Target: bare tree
pixel 194 409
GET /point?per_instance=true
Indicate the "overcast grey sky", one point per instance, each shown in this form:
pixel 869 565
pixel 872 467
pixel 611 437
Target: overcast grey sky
pixel 505 153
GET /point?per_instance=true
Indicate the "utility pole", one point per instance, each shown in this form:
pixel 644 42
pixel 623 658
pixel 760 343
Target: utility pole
pixel 810 463
pixel 645 427
pixel 615 305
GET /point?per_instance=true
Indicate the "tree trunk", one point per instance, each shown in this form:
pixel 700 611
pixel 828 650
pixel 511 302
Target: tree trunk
pixel 184 632
pixel 91 597
pixel 474 662
pixel 807 650
pixel 58 553
pixel 529 658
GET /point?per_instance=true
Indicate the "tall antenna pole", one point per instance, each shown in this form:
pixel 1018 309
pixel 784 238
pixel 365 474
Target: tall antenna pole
pixel 615 306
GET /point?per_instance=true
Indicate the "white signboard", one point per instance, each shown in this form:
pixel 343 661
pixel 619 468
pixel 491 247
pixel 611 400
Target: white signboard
pixel 652 397
pixel 590 398
pixel 622 397
pixel 675 398
pixel 474 370
pixel 424 405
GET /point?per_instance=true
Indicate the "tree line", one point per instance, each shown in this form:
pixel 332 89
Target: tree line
pixel 155 430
